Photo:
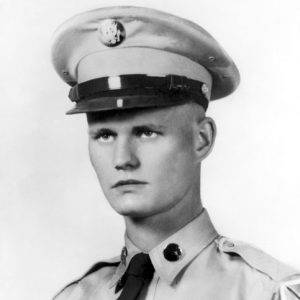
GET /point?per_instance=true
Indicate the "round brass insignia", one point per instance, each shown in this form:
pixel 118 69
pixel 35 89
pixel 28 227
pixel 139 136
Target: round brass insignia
pixel 111 32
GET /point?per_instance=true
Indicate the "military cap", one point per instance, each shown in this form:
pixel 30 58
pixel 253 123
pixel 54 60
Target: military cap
pixel 126 57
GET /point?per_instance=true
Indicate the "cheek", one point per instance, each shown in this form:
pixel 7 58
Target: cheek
pixel 93 154
pixel 169 162
pixel 100 159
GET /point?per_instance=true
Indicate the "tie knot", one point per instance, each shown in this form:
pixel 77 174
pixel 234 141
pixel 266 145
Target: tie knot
pixel 141 266
pixel 137 276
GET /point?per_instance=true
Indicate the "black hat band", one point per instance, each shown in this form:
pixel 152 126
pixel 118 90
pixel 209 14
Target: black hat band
pixel 173 87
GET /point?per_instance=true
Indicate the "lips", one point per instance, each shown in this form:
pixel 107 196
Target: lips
pixel 128 182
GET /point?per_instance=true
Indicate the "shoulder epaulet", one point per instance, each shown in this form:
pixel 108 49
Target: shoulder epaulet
pixel 96 267
pixel 290 290
pixel 257 259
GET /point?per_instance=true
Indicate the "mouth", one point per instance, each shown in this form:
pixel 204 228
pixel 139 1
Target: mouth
pixel 128 182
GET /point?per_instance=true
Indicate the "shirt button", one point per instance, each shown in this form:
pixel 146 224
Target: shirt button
pixel 124 254
pixel 173 252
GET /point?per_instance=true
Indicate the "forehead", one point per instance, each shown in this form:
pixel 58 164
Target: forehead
pixel 168 116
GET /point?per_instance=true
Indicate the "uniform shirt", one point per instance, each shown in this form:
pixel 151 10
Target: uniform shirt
pixel 212 267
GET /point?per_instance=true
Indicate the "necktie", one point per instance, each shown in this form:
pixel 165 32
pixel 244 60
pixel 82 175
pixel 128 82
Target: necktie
pixel 138 274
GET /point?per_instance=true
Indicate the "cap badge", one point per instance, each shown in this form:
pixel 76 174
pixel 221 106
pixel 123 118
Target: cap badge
pixel 111 32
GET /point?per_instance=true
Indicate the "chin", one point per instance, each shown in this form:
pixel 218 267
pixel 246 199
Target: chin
pixel 137 212
pixel 130 205
pixel 133 214
pixel 132 211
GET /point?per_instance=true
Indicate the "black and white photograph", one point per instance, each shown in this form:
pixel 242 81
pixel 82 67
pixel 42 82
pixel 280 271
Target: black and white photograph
pixel 149 150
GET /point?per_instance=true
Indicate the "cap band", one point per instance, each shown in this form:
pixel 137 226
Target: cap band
pixel 122 86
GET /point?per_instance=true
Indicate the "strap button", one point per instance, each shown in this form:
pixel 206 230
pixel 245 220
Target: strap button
pixel 228 244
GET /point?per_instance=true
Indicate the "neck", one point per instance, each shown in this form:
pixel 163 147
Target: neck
pixel 148 232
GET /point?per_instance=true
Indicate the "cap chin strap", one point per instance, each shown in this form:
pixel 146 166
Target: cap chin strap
pixel 170 89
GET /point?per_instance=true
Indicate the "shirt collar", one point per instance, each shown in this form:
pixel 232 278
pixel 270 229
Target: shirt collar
pixel 192 239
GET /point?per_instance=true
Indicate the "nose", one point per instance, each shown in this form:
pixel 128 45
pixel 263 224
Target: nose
pixel 125 156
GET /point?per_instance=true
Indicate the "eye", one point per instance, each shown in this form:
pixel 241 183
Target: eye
pixel 148 134
pixel 145 132
pixel 105 137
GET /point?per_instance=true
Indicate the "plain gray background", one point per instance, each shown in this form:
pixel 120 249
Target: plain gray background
pixel 54 220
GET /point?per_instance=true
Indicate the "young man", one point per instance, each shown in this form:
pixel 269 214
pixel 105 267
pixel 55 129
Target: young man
pixel 144 78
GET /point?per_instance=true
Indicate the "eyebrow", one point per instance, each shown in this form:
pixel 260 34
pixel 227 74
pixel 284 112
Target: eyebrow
pixel 150 125
pixel 105 128
pixel 96 131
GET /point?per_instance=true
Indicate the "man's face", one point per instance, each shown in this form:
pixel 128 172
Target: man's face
pixel 144 159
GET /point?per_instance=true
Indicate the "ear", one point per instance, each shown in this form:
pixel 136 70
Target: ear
pixel 205 134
